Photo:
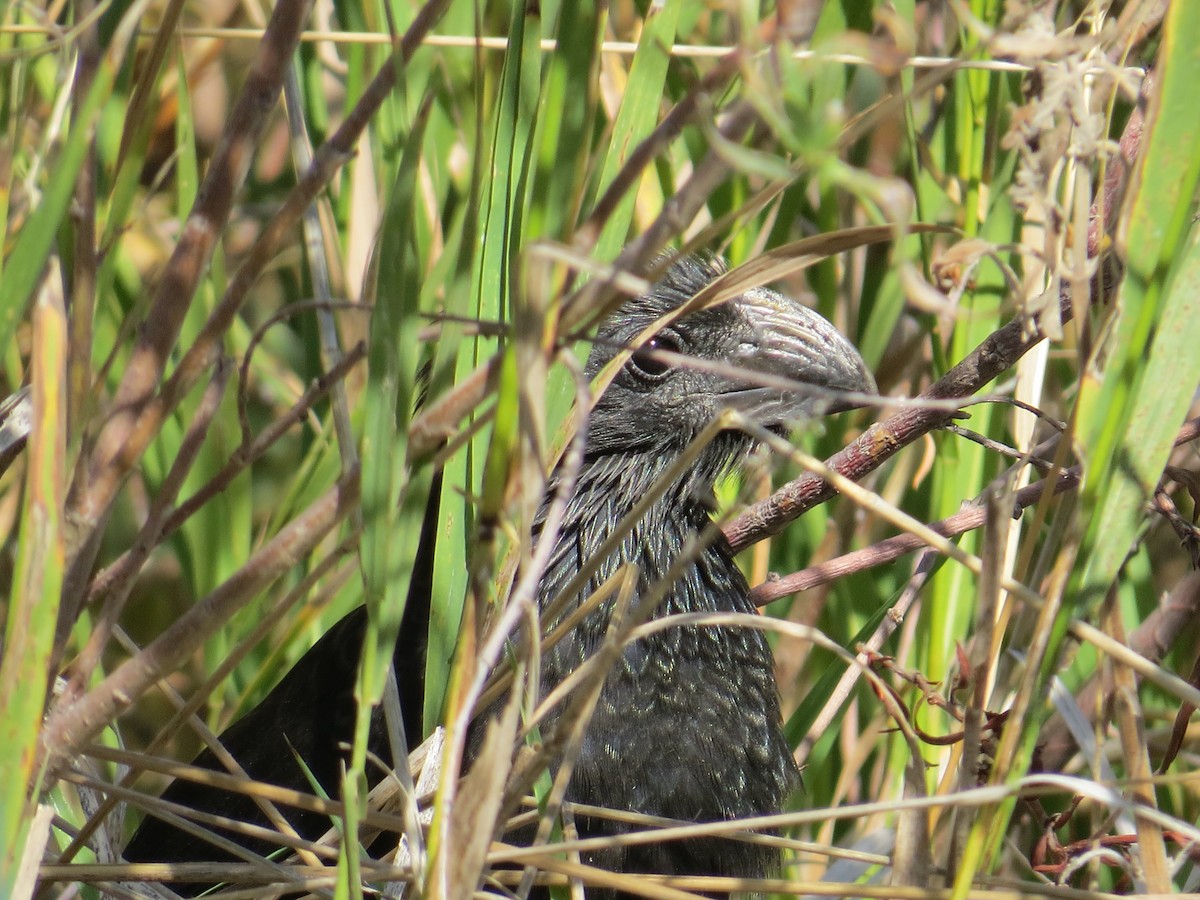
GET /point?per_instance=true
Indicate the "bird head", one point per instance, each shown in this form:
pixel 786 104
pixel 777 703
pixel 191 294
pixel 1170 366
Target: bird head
pixel 760 353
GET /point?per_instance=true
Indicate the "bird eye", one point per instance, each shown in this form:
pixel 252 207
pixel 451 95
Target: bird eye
pixel 650 365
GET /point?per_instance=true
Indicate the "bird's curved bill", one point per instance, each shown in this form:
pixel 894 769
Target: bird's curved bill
pixel 796 365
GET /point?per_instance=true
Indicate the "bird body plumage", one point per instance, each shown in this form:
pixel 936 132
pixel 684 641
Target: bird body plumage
pixel 688 724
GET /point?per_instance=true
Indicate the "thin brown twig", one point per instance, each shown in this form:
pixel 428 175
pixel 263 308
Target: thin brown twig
pixel 83 283
pixel 998 352
pixel 892 548
pixel 235 784
pixel 194 822
pixel 151 531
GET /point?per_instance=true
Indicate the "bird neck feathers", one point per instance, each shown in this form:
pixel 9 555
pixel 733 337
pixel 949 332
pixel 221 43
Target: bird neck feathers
pixel 607 489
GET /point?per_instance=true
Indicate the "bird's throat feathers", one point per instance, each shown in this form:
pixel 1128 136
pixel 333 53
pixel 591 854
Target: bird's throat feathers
pixel 667 544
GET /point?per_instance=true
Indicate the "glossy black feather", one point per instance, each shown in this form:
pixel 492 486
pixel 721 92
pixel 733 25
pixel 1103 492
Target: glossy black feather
pixel 688 724
pixel 308 716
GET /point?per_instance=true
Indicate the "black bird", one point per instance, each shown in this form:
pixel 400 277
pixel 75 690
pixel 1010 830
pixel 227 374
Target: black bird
pixel 688 724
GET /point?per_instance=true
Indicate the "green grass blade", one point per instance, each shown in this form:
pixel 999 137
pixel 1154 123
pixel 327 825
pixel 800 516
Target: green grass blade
pixel 637 116
pixel 37 583
pixel 393 497
pixel 32 245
